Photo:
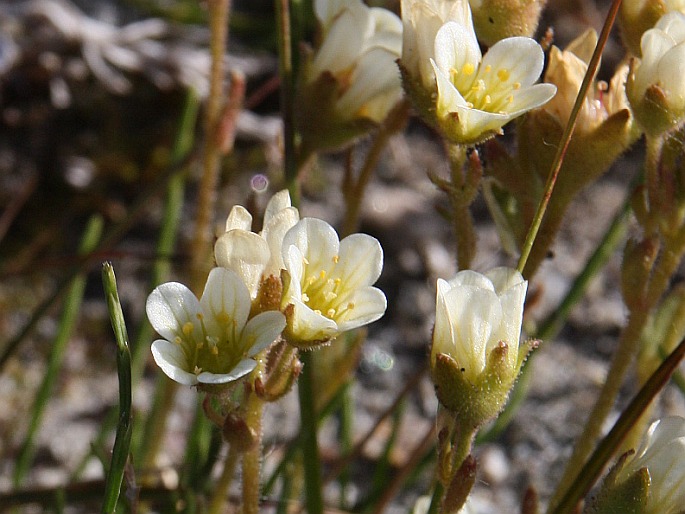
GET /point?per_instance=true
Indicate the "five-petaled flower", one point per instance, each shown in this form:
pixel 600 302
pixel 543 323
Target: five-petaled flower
pixel 328 286
pixel 478 95
pixel 209 341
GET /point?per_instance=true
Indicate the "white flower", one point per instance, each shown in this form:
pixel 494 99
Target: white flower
pixel 478 95
pixel 656 88
pixel 359 49
pixel 421 20
pixel 566 70
pixel 662 452
pixel 256 256
pixel 474 314
pixel 209 341
pixel 330 281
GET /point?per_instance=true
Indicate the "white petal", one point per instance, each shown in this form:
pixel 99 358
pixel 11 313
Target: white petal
pixel 449 99
pixel 386 32
pixel 293 260
pixel 522 57
pixel 311 326
pixel 327 10
pixel 456 49
pixel 368 305
pixel 278 202
pixel 239 218
pixel 375 76
pixel 673 23
pixel 261 331
pixel 471 278
pixel 344 42
pixel 503 278
pixel 240 370
pixel 169 307
pixel 443 332
pixel 274 231
pixel 671 76
pixel 246 253
pixel 172 361
pixel 361 261
pixel 530 98
pixel 475 312
pixel 225 293
pixel 317 241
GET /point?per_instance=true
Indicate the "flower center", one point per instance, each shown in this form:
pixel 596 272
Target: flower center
pixel 324 294
pixel 490 90
pixel 216 353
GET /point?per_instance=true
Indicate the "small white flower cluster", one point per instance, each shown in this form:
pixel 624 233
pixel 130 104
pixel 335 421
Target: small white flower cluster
pixel 328 291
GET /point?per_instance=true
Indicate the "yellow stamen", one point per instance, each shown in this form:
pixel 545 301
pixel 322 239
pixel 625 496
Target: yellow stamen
pixel 215 350
pixel 317 311
pixel 322 274
pixel 178 340
pixel 223 317
pixel 350 306
pixel 199 345
pixel 336 259
pixel 517 85
pixel 487 99
pixel 488 69
pixel 510 99
pixel 305 298
pixel 330 313
pixel 503 74
pixel 468 69
pixel 187 328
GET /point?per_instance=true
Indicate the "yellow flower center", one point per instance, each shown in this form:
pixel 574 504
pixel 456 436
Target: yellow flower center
pixel 216 353
pixel 323 294
pixel 487 91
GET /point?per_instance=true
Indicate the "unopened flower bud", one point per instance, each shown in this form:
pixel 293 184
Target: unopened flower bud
pixel 499 19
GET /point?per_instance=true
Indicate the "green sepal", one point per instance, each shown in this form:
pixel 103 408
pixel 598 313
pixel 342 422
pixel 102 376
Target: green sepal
pixel 474 403
pixel 627 497
pixel 318 123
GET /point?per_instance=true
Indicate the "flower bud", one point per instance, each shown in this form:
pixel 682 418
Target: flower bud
pixel 499 19
pixel 655 85
pixel 475 355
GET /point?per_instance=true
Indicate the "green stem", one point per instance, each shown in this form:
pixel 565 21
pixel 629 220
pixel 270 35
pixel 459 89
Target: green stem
pixel 69 316
pixel 308 429
pixel 353 198
pixel 587 476
pixel 550 327
pixel 566 136
pixel 216 505
pixel 627 348
pixel 287 74
pixel 252 458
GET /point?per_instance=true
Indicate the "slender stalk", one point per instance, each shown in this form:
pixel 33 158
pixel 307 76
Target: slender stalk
pixel 200 254
pixel 69 316
pixel 353 198
pixel 308 430
pixel 566 137
pixel 122 442
pixel 549 327
pixel 216 505
pixel 252 458
pixel 623 356
pixel 587 476
pixel 287 74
